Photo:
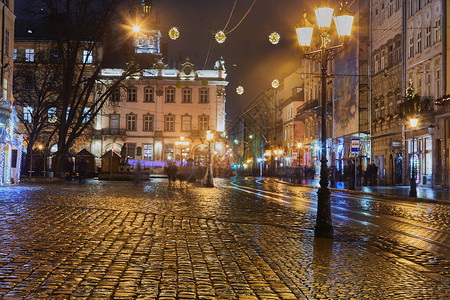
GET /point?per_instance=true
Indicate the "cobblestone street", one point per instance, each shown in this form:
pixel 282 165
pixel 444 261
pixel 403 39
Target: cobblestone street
pixel 118 240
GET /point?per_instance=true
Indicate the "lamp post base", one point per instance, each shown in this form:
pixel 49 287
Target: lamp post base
pixel 413 191
pixel 208 180
pixel 324 227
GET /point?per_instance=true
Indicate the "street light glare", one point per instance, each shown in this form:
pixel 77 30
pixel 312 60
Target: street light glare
pixel 413 122
pixel 136 28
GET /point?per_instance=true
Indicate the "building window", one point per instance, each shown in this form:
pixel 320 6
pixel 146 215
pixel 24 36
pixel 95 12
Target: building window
pixel 427 37
pixel 411 47
pixel 114 123
pixel 390 55
pixel 391 8
pixel 148 122
pixel 132 94
pixel 29 55
pixel 204 95
pixel 148 151
pixel 203 123
pixel 131 122
pixel 7 41
pixel 131 150
pixel 438 84
pixel 27 114
pixel 383 55
pixel 15 54
pixel 187 95
pixel 170 95
pixel 86 115
pixel 186 121
pixel 169 123
pixel 115 95
pixel 87 57
pixel 399 51
pixel 51 115
pixel 419 42
pixel 377 62
pixel 382 13
pixel 437 31
pixel 149 94
pixel 398 5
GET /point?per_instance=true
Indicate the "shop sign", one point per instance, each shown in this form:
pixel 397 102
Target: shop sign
pixel 355 145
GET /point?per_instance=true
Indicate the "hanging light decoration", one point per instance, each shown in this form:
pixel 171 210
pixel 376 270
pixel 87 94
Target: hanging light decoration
pixel 274 38
pixel 220 37
pixel 240 90
pixel 174 33
pixel 275 83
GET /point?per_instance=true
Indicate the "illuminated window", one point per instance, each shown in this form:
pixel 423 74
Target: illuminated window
pixel 29 55
pixel 27 114
pixel 148 151
pixel 437 31
pixel 87 57
pixel 51 115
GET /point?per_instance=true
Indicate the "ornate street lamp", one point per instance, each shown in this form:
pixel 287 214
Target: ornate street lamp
pixel 343 20
pixel 208 181
pixel 413 190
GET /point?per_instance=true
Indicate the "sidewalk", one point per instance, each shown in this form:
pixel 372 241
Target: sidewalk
pixel 398 191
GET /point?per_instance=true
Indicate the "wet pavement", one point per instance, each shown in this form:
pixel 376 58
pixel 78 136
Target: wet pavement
pixel 240 240
pixel 423 192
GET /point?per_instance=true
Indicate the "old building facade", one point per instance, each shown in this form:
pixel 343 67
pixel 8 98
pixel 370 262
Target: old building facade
pixel 163 115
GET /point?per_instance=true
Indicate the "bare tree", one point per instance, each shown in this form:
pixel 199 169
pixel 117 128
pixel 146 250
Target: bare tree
pixel 79 29
pixel 35 94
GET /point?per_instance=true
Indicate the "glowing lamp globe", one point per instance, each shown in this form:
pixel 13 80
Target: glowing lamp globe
pixel 275 83
pixel 344 22
pixel 174 33
pixel 413 122
pixel 220 37
pixel 324 15
pixel 274 38
pixel 136 28
pixel 240 90
pixel 304 32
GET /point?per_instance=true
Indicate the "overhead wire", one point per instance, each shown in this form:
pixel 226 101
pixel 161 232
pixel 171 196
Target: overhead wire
pixel 239 23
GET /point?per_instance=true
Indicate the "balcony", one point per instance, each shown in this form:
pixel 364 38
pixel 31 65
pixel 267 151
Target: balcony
pixel 110 131
pixel 308 108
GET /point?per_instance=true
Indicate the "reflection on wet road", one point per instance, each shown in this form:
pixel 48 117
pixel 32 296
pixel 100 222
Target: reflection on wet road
pixel 249 238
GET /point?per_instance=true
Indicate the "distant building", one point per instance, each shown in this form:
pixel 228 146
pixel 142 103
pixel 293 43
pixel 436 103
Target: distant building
pixel 162 115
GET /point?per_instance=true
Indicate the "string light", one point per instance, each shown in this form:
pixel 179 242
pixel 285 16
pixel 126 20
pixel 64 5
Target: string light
pixel 240 90
pixel 275 83
pixel 174 33
pixel 274 38
pixel 220 37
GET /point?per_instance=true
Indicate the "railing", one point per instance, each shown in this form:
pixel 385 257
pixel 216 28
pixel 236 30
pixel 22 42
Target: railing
pixel 312 104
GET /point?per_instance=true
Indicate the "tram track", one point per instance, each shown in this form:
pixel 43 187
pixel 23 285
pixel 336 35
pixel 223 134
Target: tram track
pixel 362 218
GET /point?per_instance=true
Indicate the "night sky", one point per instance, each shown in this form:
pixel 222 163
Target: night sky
pixel 251 60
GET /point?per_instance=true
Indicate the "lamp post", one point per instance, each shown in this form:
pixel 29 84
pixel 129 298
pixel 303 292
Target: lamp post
pixel 208 181
pixel 299 146
pixel 413 190
pixel 343 20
